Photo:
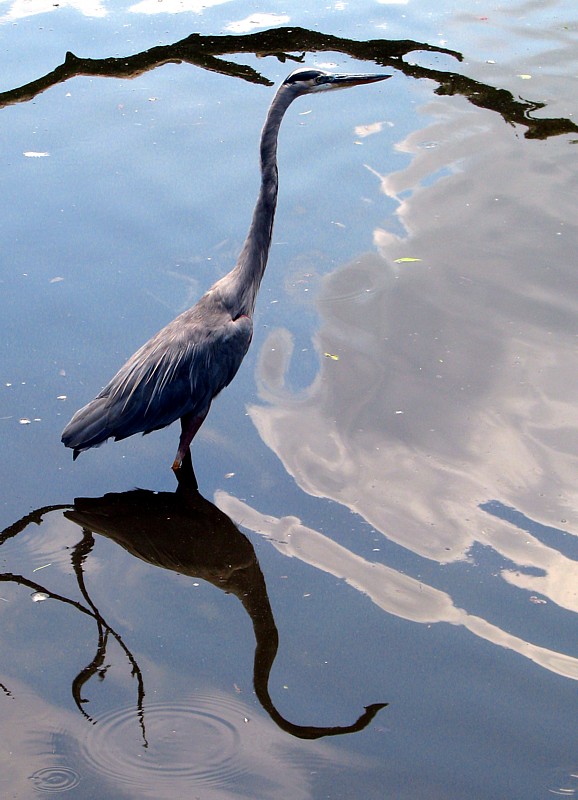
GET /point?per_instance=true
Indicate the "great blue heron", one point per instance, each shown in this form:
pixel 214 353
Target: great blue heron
pixel 178 372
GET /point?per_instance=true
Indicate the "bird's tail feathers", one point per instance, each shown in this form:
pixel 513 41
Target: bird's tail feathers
pixel 89 427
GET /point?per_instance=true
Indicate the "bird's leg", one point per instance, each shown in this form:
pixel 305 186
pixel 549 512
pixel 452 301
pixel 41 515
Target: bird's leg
pixel 189 426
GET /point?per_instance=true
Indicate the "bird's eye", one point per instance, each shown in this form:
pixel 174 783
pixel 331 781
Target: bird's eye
pixel 320 79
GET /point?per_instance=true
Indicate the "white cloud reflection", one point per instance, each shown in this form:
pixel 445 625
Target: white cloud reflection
pixel 394 592
pixel 256 21
pixel 456 375
pixel 174 6
pixel 29 750
pixel 20 9
pixel 361 131
pixel 455 382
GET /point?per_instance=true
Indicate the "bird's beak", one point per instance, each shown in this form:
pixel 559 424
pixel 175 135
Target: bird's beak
pixel 343 81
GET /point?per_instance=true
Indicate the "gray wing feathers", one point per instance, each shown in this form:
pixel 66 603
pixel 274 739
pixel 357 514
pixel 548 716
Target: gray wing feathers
pixel 179 371
pixel 87 425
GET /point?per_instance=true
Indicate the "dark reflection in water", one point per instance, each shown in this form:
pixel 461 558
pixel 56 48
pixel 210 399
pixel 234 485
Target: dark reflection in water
pixel 185 533
pixel 282 43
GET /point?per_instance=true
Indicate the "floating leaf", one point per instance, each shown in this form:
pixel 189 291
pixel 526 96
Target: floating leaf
pixel 525 77
pixel 331 356
pixel 405 260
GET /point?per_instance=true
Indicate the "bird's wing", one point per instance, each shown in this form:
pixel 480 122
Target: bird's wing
pixel 178 372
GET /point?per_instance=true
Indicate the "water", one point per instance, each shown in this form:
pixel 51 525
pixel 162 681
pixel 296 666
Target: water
pixel 390 511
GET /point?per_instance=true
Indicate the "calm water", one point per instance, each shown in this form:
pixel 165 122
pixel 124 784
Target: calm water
pixel 390 510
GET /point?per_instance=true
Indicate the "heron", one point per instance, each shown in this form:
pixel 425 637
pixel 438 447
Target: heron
pixel 180 370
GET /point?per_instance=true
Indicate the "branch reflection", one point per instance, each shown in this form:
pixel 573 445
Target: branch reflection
pixel 79 554
pixel 283 44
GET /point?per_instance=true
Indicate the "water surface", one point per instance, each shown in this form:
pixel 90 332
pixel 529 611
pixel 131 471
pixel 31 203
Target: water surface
pixel 390 512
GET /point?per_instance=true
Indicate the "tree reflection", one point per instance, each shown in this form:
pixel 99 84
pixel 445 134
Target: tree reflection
pixel 185 533
pixel 78 557
pixel 294 44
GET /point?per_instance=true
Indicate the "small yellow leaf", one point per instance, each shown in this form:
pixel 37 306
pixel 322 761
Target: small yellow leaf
pixel 525 77
pixel 405 260
pixel 331 356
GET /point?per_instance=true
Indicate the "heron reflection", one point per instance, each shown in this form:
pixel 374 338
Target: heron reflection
pixel 184 532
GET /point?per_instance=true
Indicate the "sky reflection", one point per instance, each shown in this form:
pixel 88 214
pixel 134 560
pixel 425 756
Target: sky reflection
pixel 391 590
pixel 20 9
pixel 174 6
pixel 448 382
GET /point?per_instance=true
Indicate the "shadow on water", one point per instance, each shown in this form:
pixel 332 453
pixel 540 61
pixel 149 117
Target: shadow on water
pixel 185 533
pixel 282 44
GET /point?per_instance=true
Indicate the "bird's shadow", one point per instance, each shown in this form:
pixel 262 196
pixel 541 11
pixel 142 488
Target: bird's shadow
pixel 183 532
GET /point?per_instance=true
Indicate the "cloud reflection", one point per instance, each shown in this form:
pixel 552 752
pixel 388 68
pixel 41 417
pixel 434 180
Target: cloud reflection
pixel 20 9
pixel 256 21
pixel 391 590
pixel 40 743
pixel 454 382
pixel 174 6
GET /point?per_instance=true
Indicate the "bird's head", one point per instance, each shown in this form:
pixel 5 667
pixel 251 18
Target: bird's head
pixel 306 81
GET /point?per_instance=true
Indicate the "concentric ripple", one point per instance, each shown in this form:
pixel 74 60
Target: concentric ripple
pixel 563 783
pixel 198 742
pixel 55 779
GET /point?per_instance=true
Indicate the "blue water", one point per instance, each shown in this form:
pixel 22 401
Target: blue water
pixel 390 511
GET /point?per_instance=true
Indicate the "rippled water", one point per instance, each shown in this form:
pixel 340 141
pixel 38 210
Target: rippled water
pixel 198 743
pixel 378 596
pixel 54 779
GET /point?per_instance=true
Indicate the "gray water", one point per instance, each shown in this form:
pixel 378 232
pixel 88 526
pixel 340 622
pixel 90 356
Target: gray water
pixel 389 482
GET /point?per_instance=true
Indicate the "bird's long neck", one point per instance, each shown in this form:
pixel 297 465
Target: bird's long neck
pixel 253 259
